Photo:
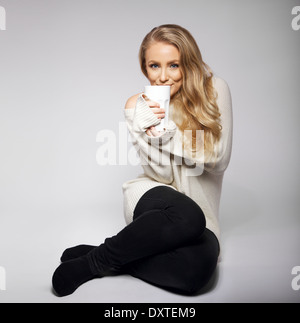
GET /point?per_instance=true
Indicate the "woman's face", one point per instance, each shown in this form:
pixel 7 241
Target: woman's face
pixel 162 65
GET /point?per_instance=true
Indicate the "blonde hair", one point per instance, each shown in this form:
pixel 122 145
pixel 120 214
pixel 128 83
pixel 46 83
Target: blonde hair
pixel 195 106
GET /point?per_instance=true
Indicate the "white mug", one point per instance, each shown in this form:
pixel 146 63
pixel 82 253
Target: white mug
pixel 161 95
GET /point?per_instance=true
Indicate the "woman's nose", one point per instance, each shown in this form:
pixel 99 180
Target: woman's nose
pixel 163 76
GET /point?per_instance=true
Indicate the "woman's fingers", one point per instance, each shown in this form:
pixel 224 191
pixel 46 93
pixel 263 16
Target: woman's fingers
pixel 152 132
pixel 159 113
pixel 155 106
pixel 148 132
pixel 155 132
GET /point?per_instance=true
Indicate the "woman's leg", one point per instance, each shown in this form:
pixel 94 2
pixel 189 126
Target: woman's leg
pixel 164 220
pixel 185 270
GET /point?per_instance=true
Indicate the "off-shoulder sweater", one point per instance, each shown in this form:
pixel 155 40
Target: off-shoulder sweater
pixel 199 179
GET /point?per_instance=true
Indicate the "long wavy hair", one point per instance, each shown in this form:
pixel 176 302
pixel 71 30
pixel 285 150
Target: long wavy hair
pixel 195 106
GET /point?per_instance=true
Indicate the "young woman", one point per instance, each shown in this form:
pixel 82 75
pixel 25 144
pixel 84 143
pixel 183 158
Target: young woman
pixel 172 235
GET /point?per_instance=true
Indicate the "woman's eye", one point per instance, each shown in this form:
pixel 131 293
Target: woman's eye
pixel 154 66
pixel 174 66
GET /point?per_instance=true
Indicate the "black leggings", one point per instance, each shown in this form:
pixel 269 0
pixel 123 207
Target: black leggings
pixel 166 245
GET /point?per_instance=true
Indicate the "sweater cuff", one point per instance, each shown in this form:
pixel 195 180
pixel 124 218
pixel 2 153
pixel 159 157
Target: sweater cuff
pixel 143 117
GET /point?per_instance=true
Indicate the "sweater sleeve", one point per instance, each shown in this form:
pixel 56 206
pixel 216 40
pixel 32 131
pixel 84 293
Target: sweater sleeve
pixel 155 159
pixel 224 147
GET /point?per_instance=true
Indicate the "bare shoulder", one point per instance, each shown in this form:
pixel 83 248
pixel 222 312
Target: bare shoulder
pixel 131 102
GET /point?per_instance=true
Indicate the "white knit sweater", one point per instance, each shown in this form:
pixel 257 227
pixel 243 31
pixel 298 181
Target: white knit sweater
pixel 166 169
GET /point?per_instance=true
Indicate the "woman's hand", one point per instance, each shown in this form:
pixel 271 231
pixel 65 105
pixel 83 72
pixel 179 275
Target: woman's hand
pixel 159 113
pixel 152 132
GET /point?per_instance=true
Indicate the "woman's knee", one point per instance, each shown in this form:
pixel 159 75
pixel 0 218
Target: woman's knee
pixel 181 210
pixel 153 199
pixel 189 214
pixel 166 197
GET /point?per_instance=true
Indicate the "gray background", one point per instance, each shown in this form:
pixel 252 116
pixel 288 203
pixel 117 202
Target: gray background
pixel 66 71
